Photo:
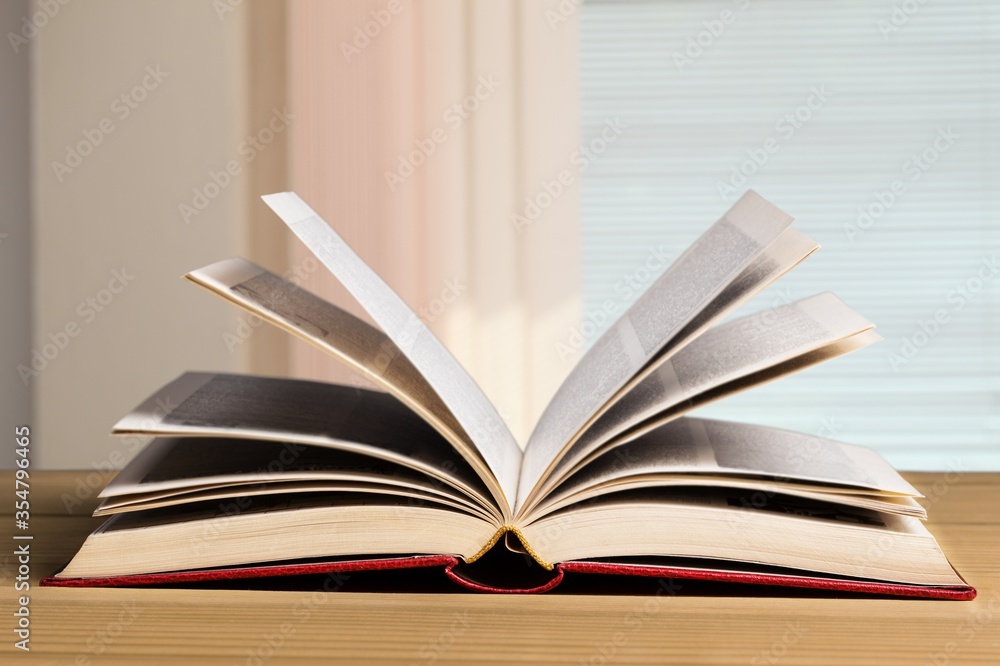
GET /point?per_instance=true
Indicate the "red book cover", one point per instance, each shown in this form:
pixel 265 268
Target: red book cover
pixel 453 569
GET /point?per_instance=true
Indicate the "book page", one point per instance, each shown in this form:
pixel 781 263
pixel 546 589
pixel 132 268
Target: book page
pixel 313 483
pixel 275 528
pixel 465 400
pixel 732 525
pixel 312 413
pixel 671 303
pixel 789 250
pixel 564 499
pixel 174 469
pixel 235 495
pixel 741 383
pixel 734 351
pixel 180 463
pixel 347 338
pixel 715 449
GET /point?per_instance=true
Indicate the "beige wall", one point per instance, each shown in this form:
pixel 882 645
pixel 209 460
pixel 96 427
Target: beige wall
pixel 118 210
pixel 15 225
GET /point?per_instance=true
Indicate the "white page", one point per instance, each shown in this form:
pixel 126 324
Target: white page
pixel 356 343
pixel 687 446
pixel 671 302
pixel 723 389
pixel 466 401
pixel 736 350
pixel 171 467
pixel 732 350
pixel 786 252
pixel 369 423
pixel 417 496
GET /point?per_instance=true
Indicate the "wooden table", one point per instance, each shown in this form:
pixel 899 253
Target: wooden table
pixel 144 626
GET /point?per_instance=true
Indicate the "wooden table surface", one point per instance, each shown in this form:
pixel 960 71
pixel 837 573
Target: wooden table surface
pixel 146 626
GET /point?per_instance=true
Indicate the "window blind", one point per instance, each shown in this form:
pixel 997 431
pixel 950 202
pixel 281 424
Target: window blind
pixel 875 125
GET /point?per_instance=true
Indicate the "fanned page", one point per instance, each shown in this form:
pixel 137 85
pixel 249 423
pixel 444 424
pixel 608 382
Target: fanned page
pixel 310 413
pixel 670 304
pixel 789 250
pixel 731 357
pixel 786 252
pixel 693 452
pixel 449 380
pixel 175 470
pixel 354 342
pixel 781 256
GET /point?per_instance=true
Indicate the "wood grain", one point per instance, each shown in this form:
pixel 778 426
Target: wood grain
pixel 106 626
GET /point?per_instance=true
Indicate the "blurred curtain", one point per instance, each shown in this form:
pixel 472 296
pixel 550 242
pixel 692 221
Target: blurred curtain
pixel 422 131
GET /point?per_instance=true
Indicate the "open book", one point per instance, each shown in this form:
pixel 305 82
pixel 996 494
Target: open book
pixel 253 477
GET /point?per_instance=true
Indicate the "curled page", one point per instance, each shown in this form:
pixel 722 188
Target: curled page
pixel 691 451
pixel 466 401
pixel 670 304
pixel 369 423
pixel 786 252
pixel 354 342
pixel 175 470
pixel 723 362
pixel 730 351
pixel 789 250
